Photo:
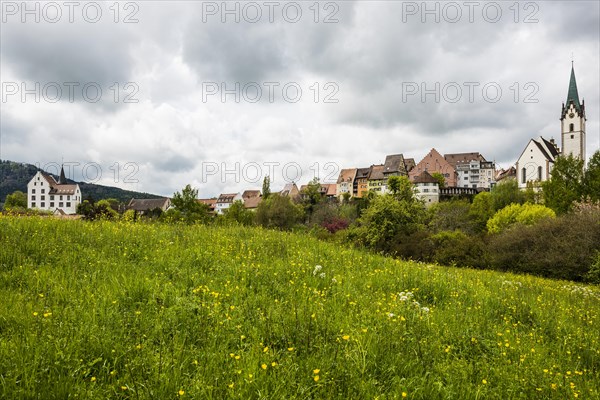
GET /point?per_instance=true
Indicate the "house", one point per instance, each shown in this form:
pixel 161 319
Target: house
pixel 409 164
pixel 345 182
pixel 536 161
pixel 144 206
pixel 506 174
pixel 247 194
pixel 225 201
pixel 472 170
pixel 291 190
pixel 327 190
pixel 393 166
pixel 376 180
pixel 434 162
pixel 251 203
pixel 427 188
pixel 46 193
pixel 211 203
pixel 361 182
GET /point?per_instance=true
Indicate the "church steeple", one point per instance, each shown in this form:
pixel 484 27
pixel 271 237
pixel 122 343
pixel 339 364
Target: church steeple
pixel 62 180
pixel 573 95
pixel 573 121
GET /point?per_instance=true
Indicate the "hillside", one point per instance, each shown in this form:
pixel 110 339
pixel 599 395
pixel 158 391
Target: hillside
pixel 15 176
pixel 115 310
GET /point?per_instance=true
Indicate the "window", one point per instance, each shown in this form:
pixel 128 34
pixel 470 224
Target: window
pixel 523 178
pixel 33 198
pixel 69 197
pixel 540 173
pixel 61 204
pixel 51 197
pixel 68 204
pixel 33 191
pixel 32 205
pixel 466 178
pixel 572 136
pixel 61 197
pixel 43 205
pixel 42 197
pixel 43 190
pixel 571 127
pixel 51 204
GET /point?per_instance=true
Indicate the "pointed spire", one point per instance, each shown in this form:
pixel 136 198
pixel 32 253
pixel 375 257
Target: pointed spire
pixel 62 179
pixel 573 95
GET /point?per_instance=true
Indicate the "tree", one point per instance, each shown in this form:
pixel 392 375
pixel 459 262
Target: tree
pixel 401 188
pixel 481 210
pixel 387 218
pixel 525 214
pixel 266 188
pixel 450 216
pixel 16 200
pixel 278 212
pixel 505 193
pixel 237 213
pixel 565 185
pixel 187 206
pixel 438 176
pixel 591 178
pixel 311 196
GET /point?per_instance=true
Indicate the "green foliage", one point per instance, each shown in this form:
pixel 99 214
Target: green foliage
pixel 17 200
pixel 440 178
pixel 237 213
pixel 401 188
pixel 279 212
pixel 593 275
pixel 114 310
pixel 565 185
pixel 459 249
pixel 129 216
pixel 103 210
pixel 591 178
pixel 451 215
pixel 505 193
pixel 266 187
pixel 311 196
pixel 524 214
pixel 482 210
pixel 563 247
pixel 187 208
pixel 388 217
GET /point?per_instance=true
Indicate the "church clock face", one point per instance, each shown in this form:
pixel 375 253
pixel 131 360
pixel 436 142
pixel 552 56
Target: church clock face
pixel 571 115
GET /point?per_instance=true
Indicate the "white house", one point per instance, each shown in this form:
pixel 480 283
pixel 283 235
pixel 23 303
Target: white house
pixel 427 188
pixel 536 161
pixel 225 201
pixel 45 193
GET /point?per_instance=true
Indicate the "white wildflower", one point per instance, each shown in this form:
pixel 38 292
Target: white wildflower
pixel 322 275
pixel 317 269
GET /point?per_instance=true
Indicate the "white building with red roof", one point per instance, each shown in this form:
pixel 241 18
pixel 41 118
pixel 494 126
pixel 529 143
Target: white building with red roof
pixel 46 193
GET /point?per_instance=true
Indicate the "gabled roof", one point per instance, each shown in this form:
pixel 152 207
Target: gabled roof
pixel 551 147
pixel 458 158
pixel 57 188
pixel 227 197
pixel 409 163
pixel 425 177
pixel 376 173
pixel 362 173
pixel 250 193
pixel 394 164
pixel 252 202
pixel 148 204
pixel 331 189
pixel 347 175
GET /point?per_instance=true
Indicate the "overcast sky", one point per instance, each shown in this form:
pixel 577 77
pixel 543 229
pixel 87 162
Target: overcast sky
pixel 220 94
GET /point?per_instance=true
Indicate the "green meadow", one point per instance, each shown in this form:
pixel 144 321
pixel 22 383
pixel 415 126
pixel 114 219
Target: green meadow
pixel 114 310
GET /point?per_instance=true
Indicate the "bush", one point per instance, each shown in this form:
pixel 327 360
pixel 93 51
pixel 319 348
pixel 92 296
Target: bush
pixel 459 249
pixel 563 248
pixel 279 212
pixel 593 275
pixel 525 214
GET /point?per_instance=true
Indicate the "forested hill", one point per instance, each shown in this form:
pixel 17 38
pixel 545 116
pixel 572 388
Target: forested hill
pixel 15 176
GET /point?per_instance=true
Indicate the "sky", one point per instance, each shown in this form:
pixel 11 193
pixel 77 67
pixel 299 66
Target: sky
pixel 154 95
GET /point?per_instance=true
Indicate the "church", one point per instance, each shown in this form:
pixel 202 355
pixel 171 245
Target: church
pixel 536 161
pixel 46 193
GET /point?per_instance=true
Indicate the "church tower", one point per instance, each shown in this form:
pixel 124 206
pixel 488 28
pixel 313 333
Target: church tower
pixel 572 121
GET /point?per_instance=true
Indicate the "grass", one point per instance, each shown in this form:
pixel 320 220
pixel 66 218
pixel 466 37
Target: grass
pixel 150 311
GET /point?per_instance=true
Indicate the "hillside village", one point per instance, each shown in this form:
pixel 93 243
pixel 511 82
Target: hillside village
pixel 464 174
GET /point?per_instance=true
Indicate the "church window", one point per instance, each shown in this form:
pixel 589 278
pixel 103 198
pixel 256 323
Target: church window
pixel 571 127
pixel 572 136
pixel 540 173
pixel 523 178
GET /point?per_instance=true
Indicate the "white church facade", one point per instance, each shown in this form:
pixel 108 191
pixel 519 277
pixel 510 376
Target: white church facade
pixel 536 161
pixel 45 193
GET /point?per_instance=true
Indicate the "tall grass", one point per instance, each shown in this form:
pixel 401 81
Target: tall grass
pixel 149 311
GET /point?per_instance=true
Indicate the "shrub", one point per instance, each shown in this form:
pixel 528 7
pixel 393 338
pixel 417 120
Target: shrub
pixel 526 214
pixel 459 249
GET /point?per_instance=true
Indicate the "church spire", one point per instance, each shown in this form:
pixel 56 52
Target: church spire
pixel 573 95
pixel 62 179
